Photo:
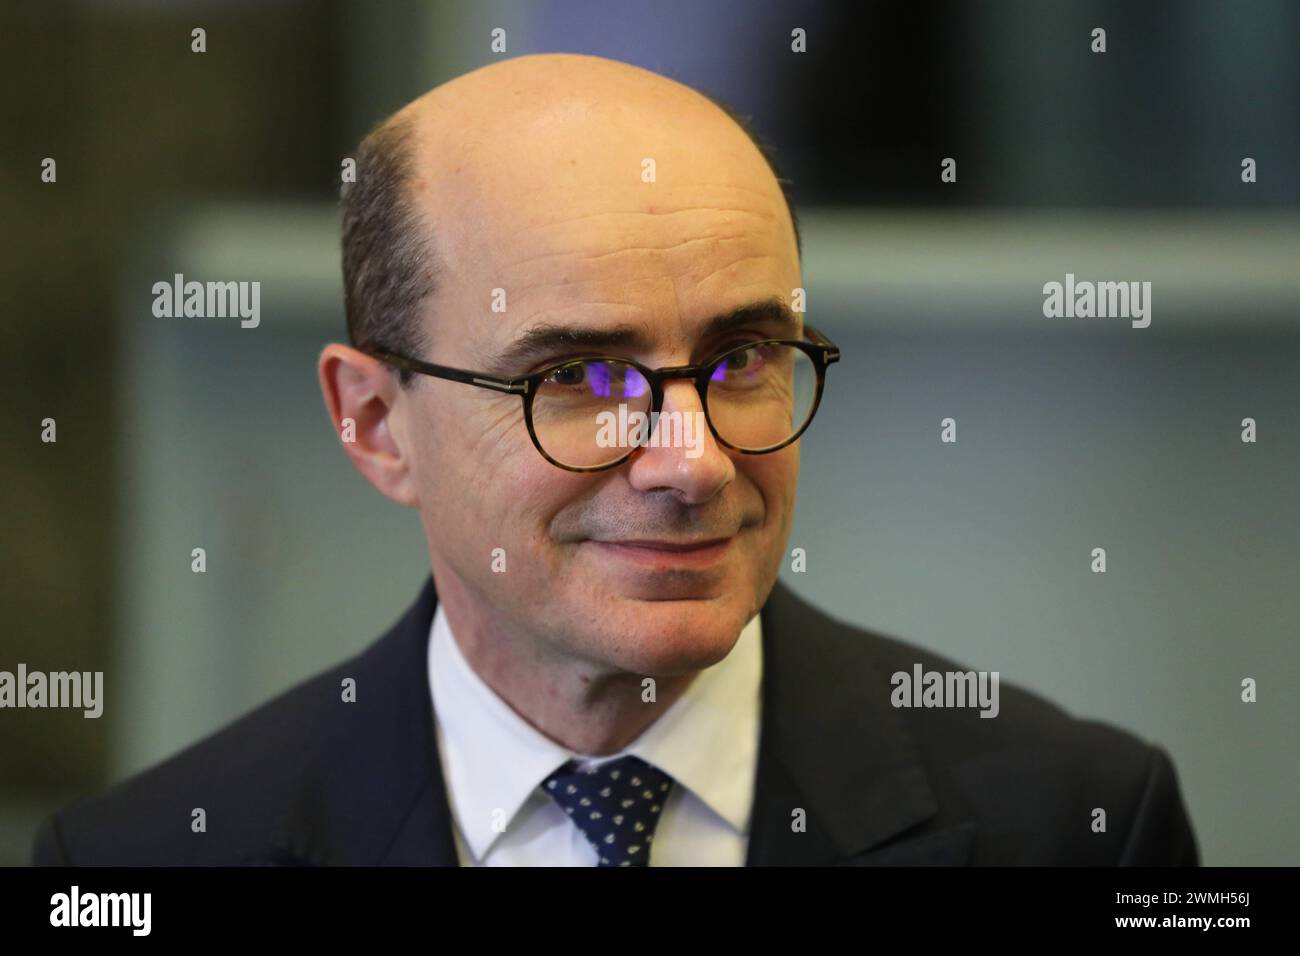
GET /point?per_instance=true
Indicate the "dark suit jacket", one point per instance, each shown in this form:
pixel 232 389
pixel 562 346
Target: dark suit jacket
pixel 310 779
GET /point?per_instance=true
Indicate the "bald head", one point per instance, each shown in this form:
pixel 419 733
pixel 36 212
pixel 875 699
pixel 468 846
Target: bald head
pixel 499 165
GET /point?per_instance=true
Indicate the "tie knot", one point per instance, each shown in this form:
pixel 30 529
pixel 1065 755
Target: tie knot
pixel 615 804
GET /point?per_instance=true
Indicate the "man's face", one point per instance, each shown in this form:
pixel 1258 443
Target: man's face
pixel 557 214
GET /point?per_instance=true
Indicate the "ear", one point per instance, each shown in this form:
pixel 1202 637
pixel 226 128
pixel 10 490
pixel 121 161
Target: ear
pixel 362 395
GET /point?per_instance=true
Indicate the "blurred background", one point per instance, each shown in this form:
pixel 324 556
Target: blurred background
pixel 1072 433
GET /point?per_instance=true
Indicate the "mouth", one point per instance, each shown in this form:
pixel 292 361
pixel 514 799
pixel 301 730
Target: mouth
pixel 697 554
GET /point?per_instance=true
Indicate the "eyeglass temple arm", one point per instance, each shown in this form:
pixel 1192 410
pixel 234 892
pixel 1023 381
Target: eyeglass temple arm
pixel 831 349
pixel 454 374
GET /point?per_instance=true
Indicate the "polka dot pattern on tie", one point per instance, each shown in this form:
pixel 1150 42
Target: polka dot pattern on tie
pixel 616 805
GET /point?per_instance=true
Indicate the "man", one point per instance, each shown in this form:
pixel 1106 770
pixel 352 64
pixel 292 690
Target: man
pixel 602 669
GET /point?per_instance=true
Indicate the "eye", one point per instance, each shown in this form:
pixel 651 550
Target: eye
pixel 569 375
pixel 738 361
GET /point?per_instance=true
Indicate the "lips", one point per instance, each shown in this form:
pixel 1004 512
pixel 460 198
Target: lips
pixel 697 554
pixel 675 546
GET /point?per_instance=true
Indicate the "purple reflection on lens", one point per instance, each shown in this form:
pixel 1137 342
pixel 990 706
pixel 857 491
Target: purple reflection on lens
pixel 634 383
pixel 719 373
pixel 598 377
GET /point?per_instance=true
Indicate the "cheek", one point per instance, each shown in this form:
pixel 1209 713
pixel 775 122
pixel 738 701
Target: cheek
pixel 476 456
pixel 776 478
pixel 530 492
pixel 466 484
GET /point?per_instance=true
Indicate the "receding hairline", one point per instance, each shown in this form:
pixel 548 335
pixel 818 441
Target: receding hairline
pixel 403 132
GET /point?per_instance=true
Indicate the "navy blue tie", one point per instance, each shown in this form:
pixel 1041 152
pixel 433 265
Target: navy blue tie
pixel 616 805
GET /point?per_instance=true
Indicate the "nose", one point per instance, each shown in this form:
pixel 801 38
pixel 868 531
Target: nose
pixel 682 455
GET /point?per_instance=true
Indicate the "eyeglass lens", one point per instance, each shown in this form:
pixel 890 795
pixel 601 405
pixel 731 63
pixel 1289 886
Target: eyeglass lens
pixel 588 413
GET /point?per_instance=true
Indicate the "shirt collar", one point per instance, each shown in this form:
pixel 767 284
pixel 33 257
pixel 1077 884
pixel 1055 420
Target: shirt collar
pixel 707 740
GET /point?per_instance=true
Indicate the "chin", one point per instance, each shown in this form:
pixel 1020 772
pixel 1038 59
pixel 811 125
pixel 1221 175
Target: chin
pixel 676 637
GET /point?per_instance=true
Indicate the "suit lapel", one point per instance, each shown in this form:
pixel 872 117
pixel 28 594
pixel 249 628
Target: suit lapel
pixel 376 796
pixel 833 747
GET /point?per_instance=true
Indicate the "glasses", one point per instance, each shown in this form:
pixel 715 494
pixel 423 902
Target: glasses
pixel 590 413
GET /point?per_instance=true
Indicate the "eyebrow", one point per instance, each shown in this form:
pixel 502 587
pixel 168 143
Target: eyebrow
pixel 545 340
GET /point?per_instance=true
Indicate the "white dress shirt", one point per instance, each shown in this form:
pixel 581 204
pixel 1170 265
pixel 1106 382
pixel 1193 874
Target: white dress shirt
pixel 493 762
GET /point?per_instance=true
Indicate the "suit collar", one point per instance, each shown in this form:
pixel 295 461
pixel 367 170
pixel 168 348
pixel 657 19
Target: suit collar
pixel 835 749
pixel 376 796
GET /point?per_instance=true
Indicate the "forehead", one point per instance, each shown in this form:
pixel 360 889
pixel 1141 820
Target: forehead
pixel 660 225
pixel 629 243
